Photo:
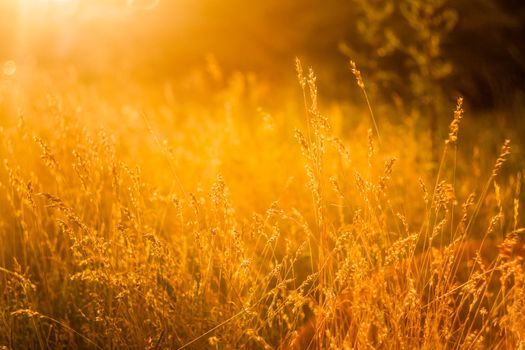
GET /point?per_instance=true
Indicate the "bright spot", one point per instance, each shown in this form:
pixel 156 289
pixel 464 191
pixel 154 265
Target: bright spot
pixel 9 68
pixel 143 4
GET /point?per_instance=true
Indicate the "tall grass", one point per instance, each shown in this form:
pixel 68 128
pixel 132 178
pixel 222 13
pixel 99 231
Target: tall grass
pixel 206 225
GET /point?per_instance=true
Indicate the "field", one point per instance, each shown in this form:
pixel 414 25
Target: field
pixel 227 211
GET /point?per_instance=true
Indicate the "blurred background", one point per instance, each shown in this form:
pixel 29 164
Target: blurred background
pixel 406 49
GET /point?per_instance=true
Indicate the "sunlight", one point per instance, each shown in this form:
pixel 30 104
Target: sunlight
pixel 232 174
pixel 34 3
pixel 144 4
pixel 9 68
pixel 85 9
pixel 56 27
pixel 31 10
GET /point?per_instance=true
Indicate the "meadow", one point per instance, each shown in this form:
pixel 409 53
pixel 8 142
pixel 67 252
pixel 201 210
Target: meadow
pixel 234 214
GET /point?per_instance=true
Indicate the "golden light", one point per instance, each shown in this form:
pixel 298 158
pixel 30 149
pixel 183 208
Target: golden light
pixel 9 68
pixel 33 14
pixel 91 6
pixel 55 28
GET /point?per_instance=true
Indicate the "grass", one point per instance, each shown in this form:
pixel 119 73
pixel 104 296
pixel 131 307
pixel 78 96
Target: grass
pixel 203 223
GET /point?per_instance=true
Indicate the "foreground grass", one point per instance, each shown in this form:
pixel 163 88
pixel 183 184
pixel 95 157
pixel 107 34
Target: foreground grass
pixel 186 226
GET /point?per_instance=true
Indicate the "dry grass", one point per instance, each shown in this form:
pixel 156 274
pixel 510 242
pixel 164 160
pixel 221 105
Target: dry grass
pixel 206 225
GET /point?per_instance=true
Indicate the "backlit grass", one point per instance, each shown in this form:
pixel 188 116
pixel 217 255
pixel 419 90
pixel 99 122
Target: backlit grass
pixel 153 220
